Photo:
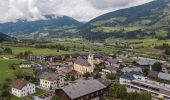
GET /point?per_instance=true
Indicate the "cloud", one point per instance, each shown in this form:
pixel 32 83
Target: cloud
pixel 82 10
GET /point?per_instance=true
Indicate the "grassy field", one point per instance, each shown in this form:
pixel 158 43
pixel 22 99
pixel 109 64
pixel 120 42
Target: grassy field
pixel 17 50
pixel 147 45
pixel 6 72
pixel 74 46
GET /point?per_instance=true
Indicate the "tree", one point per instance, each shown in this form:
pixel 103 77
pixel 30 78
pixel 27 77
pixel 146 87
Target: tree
pixel 55 97
pixel 8 80
pixel 21 55
pixel 146 71
pixel 86 75
pixel 5 87
pixel 97 75
pixel 72 78
pixel 138 96
pixel 27 53
pixel 6 94
pixel 8 51
pixel 144 96
pixel 167 51
pixel 112 76
pixel 117 90
pixel 19 73
pixel 157 66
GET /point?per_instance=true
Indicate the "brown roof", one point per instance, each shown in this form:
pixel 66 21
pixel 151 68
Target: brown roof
pixel 67 70
pixel 49 76
pixel 113 61
pixel 82 62
pixel 19 84
pixel 153 74
pixel 53 63
pixel 70 60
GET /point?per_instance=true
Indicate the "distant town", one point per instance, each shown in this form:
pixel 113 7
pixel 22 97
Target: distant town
pixel 85 50
pixel 92 76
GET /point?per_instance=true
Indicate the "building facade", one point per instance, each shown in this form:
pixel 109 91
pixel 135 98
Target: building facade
pixel 51 81
pixel 22 88
pixel 25 64
pixel 83 66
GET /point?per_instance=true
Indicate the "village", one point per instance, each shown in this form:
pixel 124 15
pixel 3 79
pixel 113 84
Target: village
pixel 90 75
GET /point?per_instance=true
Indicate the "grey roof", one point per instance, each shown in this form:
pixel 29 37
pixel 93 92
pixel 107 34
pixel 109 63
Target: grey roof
pixel 164 76
pixel 26 62
pixel 136 69
pixel 105 82
pixel 49 76
pixel 145 62
pixel 82 62
pixel 82 87
pixel 129 75
pixel 111 68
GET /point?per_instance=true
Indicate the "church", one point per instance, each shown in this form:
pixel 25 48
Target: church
pixel 83 66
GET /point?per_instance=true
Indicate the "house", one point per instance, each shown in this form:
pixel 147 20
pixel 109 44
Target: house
pixel 160 75
pixel 146 62
pixel 34 57
pixel 22 88
pixel 53 65
pixel 51 80
pixel 40 70
pixel 110 69
pixel 25 64
pixel 69 71
pixel 153 74
pixel 111 62
pixel 128 77
pixel 82 90
pixel 164 76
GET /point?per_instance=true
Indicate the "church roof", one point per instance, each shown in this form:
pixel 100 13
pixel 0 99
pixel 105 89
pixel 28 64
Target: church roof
pixel 82 62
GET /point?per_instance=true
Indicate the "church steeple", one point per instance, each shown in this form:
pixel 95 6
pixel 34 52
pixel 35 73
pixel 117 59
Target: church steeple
pixel 91 58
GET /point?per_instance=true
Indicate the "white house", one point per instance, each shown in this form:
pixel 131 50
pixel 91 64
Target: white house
pixel 22 88
pixel 51 80
pixel 25 64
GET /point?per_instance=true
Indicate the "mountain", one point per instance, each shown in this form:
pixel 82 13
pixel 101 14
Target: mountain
pixel 51 25
pixel 150 20
pixel 4 37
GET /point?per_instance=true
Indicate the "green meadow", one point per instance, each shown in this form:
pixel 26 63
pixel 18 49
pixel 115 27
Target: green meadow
pixel 7 72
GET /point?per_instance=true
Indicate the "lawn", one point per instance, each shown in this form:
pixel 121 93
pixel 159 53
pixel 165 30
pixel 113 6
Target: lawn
pixel 146 46
pixel 17 50
pixel 39 92
pixel 6 72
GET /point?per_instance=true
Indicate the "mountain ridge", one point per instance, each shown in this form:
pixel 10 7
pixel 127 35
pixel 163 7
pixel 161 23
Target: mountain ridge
pixel 23 27
pixel 146 19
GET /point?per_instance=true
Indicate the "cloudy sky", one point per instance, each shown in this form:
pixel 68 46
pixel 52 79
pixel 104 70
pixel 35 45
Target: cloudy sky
pixel 82 10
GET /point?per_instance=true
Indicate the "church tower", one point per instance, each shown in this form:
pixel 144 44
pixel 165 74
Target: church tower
pixel 91 58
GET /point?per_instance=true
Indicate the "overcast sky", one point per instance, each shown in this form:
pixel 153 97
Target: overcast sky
pixel 82 10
